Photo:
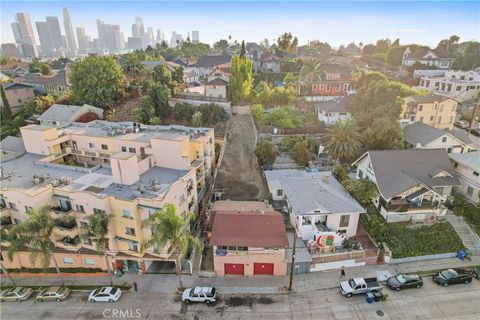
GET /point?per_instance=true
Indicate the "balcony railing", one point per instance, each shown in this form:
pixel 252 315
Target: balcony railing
pixel 60 210
pixel 72 243
pixel 405 206
pixel 67 232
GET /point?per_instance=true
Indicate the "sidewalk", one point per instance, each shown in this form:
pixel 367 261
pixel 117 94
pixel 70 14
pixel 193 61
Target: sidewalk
pixel 166 283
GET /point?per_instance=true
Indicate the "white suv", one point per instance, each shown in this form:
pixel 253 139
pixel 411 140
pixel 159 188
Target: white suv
pixel 199 294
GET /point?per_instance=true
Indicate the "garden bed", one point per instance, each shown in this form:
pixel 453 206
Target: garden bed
pixel 406 240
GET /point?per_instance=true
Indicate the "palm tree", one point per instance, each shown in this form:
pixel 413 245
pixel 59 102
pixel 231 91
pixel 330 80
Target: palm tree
pixel 34 235
pixel 342 141
pixel 3 236
pixel 133 68
pixel 311 71
pixel 97 231
pixel 168 227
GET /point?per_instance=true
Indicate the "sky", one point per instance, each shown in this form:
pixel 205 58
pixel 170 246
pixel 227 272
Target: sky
pixel 336 22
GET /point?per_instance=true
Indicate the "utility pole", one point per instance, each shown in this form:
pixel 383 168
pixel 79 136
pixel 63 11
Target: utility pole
pixel 292 266
pixel 475 106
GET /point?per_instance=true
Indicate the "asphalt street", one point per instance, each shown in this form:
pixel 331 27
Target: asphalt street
pixel 429 302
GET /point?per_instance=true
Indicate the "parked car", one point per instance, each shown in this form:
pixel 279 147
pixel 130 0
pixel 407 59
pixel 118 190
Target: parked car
pixel 53 294
pixel 452 276
pixel 16 294
pixel 105 294
pixel 404 281
pixel 461 124
pixel 475 132
pixel 359 285
pixel 199 294
pixel 476 273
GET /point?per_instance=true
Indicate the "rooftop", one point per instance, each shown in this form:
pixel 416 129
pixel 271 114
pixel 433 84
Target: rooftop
pixel 422 133
pixel 399 170
pixel 13 85
pixel 217 82
pixel 336 105
pixel 470 159
pixel 212 61
pixel 249 229
pixel 311 191
pixel 430 98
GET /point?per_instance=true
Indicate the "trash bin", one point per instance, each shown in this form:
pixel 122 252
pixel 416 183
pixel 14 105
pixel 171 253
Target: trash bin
pixel 461 254
pixel 370 297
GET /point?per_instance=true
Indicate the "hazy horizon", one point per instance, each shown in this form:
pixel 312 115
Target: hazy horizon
pixel 334 22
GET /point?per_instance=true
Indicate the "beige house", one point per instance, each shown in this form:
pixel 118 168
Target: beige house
pixel 217 88
pixel 434 110
pixel 467 166
pixel 124 169
pixel 17 94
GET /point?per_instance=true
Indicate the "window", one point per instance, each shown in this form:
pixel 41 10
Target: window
pixel 459 88
pixel 98 211
pixel 444 139
pixel 130 231
pixel 475 173
pixel 79 208
pixel 68 260
pixel 420 107
pixel 455 165
pixel 470 191
pixel 431 118
pixel 337 88
pixel 124 149
pixel 104 147
pixel 12 206
pixel 89 262
pixel 132 150
pixel 344 220
pixel 127 214
pixel 132 247
pixel 360 174
pixel 91 145
pixel 94 159
pixel 279 192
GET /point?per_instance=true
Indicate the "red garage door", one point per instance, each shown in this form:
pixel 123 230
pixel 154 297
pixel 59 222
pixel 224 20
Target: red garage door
pixel 263 268
pixel 233 268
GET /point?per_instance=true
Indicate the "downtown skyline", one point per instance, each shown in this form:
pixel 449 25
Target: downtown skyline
pixel 335 22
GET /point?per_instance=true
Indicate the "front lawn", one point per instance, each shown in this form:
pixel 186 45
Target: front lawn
pixel 407 240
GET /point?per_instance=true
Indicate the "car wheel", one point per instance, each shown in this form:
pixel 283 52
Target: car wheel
pixel 111 300
pixel 445 284
pixel 186 301
pixel 92 300
pixel 58 299
pixel 40 300
pixel 397 288
pixel 207 301
pixel 467 281
pixel 1 300
pixel 349 295
pixel 419 286
pixel 18 300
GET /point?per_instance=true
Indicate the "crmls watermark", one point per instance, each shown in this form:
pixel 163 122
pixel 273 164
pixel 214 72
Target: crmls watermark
pixel 121 313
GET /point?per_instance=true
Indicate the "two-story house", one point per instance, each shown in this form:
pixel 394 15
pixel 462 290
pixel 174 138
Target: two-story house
pixel 432 58
pixel 337 81
pixel 331 111
pixel 467 166
pixel 422 136
pixel 434 110
pixel 412 184
pixel 17 94
pixel 249 243
pixel 206 64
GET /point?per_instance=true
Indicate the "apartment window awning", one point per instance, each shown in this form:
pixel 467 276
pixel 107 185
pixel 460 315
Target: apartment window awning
pixel 417 194
pixel 61 197
pixel 126 240
pixel 148 207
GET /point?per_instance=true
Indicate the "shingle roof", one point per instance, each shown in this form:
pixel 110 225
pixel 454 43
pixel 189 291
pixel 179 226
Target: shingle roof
pixel 217 82
pixel 14 85
pixel 429 98
pixel 212 61
pixel 59 79
pixel 249 229
pixel 399 170
pixel 422 133
pixel 336 105
pixel 13 144
pixel 59 112
pixel 470 159
pixel 422 53
pixel 345 71
pixel 308 191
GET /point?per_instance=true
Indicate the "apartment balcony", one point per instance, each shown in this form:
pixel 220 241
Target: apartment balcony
pixel 406 206
pixel 66 227
pixel 197 163
pixel 86 153
pixel 59 211
pixel 69 243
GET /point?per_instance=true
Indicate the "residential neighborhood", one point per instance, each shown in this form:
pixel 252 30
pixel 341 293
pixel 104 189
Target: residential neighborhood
pixel 239 160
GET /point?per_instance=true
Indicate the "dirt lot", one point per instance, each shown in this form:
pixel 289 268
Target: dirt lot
pixel 239 174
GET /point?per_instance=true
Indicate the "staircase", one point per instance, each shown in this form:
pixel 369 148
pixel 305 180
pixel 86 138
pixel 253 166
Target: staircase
pixel 469 238
pixel 197 261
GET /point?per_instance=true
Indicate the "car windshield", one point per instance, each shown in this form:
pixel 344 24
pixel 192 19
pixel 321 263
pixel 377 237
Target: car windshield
pixel 446 274
pixel 21 291
pixel 96 292
pixel 113 291
pixel 352 283
pixel 61 290
pixel 401 279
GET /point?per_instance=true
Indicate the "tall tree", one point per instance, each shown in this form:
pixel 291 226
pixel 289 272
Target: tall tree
pixel 97 81
pixel 133 68
pixel 221 45
pixel 287 42
pixel 34 234
pixel 311 72
pixel 169 227
pixel 241 79
pixel 4 236
pixel 342 141
pixel 6 112
pixel 243 50
pixel 96 231
pixel 266 152
pixel 469 59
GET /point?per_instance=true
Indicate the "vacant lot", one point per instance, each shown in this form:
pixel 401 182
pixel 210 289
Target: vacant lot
pixel 239 175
